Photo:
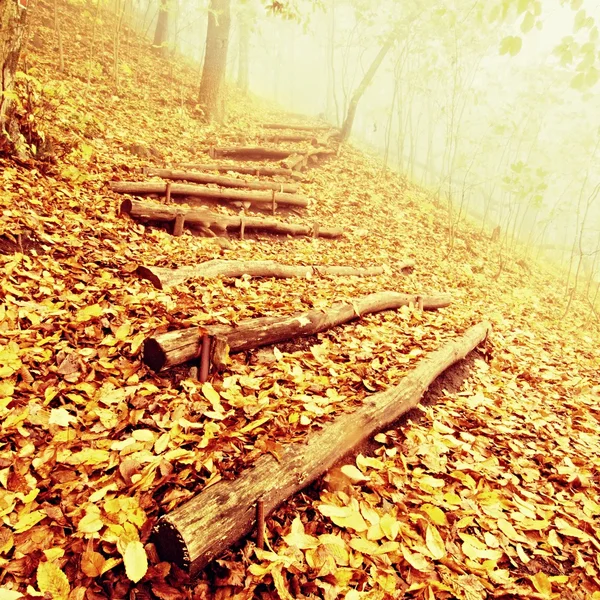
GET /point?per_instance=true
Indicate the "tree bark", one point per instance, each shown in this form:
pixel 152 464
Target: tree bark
pixel 250 153
pixel 201 529
pixel 176 347
pixel 245 24
pixel 215 60
pixel 258 170
pixel 222 181
pixel 194 218
pixel 264 199
pixel 13 19
pixel 364 85
pixel 162 29
pixel 161 277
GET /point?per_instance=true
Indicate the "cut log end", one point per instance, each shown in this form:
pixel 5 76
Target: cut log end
pixel 126 207
pixel 153 355
pixel 146 273
pixel 170 544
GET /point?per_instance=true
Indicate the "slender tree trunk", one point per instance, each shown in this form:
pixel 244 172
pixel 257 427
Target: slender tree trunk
pixel 162 29
pixel 243 78
pixel 215 59
pixel 12 31
pixel 57 29
pixel 364 85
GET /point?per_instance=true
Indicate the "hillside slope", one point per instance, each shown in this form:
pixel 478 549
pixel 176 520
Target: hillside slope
pixel 491 492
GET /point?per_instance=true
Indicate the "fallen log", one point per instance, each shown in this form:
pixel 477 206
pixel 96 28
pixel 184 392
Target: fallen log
pixel 198 191
pixel 297 127
pixel 258 170
pixel 166 350
pixel 249 152
pixel 201 529
pixel 222 181
pixel 198 218
pixel 277 139
pixel 161 277
pixel 299 161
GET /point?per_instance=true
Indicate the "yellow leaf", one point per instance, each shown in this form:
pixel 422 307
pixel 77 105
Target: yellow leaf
pixel 123 331
pixel 542 584
pixel 6 594
pixel 211 394
pixel 27 521
pixel 136 561
pixel 297 538
pixel 436 515
pixel 416 560
pixel 137 341
pixel 91 523
pixel 435 543
pixel 390 526
pixel 364 546
pixel 92 563
pixel 61 417
pixel 89 312
pixel 354 474
pixel 51 580
pixel 336 547
pixel 509 531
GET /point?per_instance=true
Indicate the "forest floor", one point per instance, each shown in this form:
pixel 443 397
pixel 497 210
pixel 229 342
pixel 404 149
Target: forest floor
pixel 490 490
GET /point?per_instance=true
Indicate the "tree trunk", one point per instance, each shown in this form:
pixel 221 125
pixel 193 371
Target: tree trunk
pixel 161 277
pixel 265 199
pixel 215 60
pixel 258 170
pixel 204 219
pixel 244 24
pixel 176 347
pixel 13 17
pixel 222 181
pixel 162 28
pixel 364 84
pixel 202 528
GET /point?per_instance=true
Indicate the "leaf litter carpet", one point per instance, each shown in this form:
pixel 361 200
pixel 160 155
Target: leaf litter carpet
pixel 492 492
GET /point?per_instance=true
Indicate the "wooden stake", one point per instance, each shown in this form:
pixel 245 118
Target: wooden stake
pixel 420 303
pixel 260 524
pixel 168 193
pixel 205 359
pixel 178 225
pixel 242 227
pixel 273 205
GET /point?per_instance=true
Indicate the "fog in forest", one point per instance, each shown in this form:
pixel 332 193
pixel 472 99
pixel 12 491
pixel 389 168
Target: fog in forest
pixel 490 106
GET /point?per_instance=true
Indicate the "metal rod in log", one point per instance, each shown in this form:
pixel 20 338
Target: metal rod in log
pixel 264 198
pixel 176 347
pixel 201 529
pixel 205 359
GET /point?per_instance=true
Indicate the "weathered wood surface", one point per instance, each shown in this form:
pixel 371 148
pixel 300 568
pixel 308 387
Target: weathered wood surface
pixel 258 198
pixel 161 277
pixel 198 218
pixel 196 177
pixel 282 138
pixel 245 170
pixel 298 161
pixel 166 350
pixel 249 152
pixel 296 126
pixel 202 528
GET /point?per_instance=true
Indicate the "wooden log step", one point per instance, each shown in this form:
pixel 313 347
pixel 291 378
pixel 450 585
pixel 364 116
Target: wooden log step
pixel 285 138
pixel 161 277
pixel 198 218
pixel 249 152
pixel 201 529
pixel 166 350
pixel 258 170
pixel 300 160
pixel 258 198
pixel 296 126
pixel 195 177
